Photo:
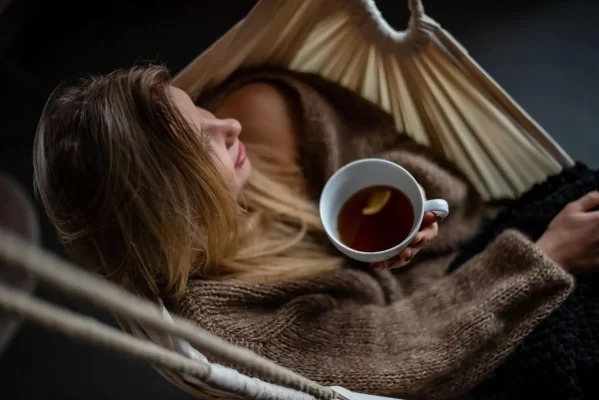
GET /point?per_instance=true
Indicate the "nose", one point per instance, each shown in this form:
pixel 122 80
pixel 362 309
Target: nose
pixel 229 128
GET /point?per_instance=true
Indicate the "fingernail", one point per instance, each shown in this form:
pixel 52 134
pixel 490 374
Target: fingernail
pixel 407 256
pixel 418 240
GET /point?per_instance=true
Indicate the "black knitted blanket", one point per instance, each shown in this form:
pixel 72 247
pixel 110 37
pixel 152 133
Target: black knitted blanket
pixel 560 359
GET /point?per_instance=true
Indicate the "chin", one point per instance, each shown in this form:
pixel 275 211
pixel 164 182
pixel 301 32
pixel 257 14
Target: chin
pixel 243 174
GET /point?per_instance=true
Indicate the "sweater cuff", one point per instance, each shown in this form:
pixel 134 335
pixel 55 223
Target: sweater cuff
pixel 513 254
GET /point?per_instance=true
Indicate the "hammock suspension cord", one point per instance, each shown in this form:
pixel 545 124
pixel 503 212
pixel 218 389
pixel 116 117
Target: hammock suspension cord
pixel 71 279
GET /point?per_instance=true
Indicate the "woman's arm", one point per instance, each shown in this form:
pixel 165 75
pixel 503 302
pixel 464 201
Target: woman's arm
pixel 437 342
pixel 358 331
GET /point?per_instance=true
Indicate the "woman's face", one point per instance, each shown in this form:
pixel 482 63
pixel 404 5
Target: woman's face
pixel 226 148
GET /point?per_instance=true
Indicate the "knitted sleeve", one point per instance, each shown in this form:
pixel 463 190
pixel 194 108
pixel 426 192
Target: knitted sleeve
pixel 436 343
pixel 439 341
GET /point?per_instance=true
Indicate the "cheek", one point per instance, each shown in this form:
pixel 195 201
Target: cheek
pixel 225 166
pixel 220 154
pixel 244 174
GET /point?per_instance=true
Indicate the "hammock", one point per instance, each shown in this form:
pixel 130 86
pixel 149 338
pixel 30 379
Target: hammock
pixel 434 90
pixel 170 344
pixel 436 93
pixel 18 215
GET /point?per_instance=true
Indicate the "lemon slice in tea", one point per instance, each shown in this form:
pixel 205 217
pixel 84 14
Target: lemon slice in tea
pixel 376 202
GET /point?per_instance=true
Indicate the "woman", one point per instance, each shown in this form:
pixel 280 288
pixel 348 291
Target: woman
pixel 158 195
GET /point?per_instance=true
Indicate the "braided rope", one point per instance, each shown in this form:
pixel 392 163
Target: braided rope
pixel 74 325
pixel 416 8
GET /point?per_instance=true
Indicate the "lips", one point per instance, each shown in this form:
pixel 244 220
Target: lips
pixel 241 155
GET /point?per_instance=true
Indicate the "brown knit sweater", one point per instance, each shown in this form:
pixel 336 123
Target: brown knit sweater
pixel 414 332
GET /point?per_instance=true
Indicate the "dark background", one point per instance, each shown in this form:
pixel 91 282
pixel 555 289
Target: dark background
pixel 545 53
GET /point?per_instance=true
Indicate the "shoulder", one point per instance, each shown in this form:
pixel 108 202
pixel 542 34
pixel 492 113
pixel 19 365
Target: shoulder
pixel 259 95
pixel 265 112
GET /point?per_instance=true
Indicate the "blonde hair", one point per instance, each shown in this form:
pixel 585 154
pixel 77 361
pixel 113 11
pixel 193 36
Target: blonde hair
pixel 135 195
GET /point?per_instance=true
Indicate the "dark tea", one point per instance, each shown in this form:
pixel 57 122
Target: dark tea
pixel 380 231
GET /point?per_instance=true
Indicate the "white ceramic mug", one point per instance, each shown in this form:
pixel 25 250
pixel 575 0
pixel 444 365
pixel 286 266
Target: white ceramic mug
pixel 364 173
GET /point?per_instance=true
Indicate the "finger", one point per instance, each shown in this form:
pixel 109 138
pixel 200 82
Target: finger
pixel 398 264
pixel 380 265
pixel 402 259
pixel 407 254
pixel 428 219
pixel 587 202
pixel 405 257
pixel 429 233
pixel 395 262
pixel 425 235
pixel 418 239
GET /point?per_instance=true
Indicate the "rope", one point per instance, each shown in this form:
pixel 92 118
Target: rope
pixel 416 8
pixel 73 325
pixel 366 15
pixel 76 326
pixel 69 278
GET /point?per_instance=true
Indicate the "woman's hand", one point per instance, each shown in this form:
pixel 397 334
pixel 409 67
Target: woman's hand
pixel 428 231
pixel 572 238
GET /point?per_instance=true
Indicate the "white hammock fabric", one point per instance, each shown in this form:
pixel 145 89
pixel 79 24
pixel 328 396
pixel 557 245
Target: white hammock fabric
pixel 430 85
pixel 222 377
pixel 168 343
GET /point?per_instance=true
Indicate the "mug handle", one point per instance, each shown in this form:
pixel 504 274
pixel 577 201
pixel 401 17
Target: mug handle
pixel 438 207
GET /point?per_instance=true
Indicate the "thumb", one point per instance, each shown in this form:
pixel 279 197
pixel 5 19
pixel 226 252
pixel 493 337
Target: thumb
pixel 587 202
